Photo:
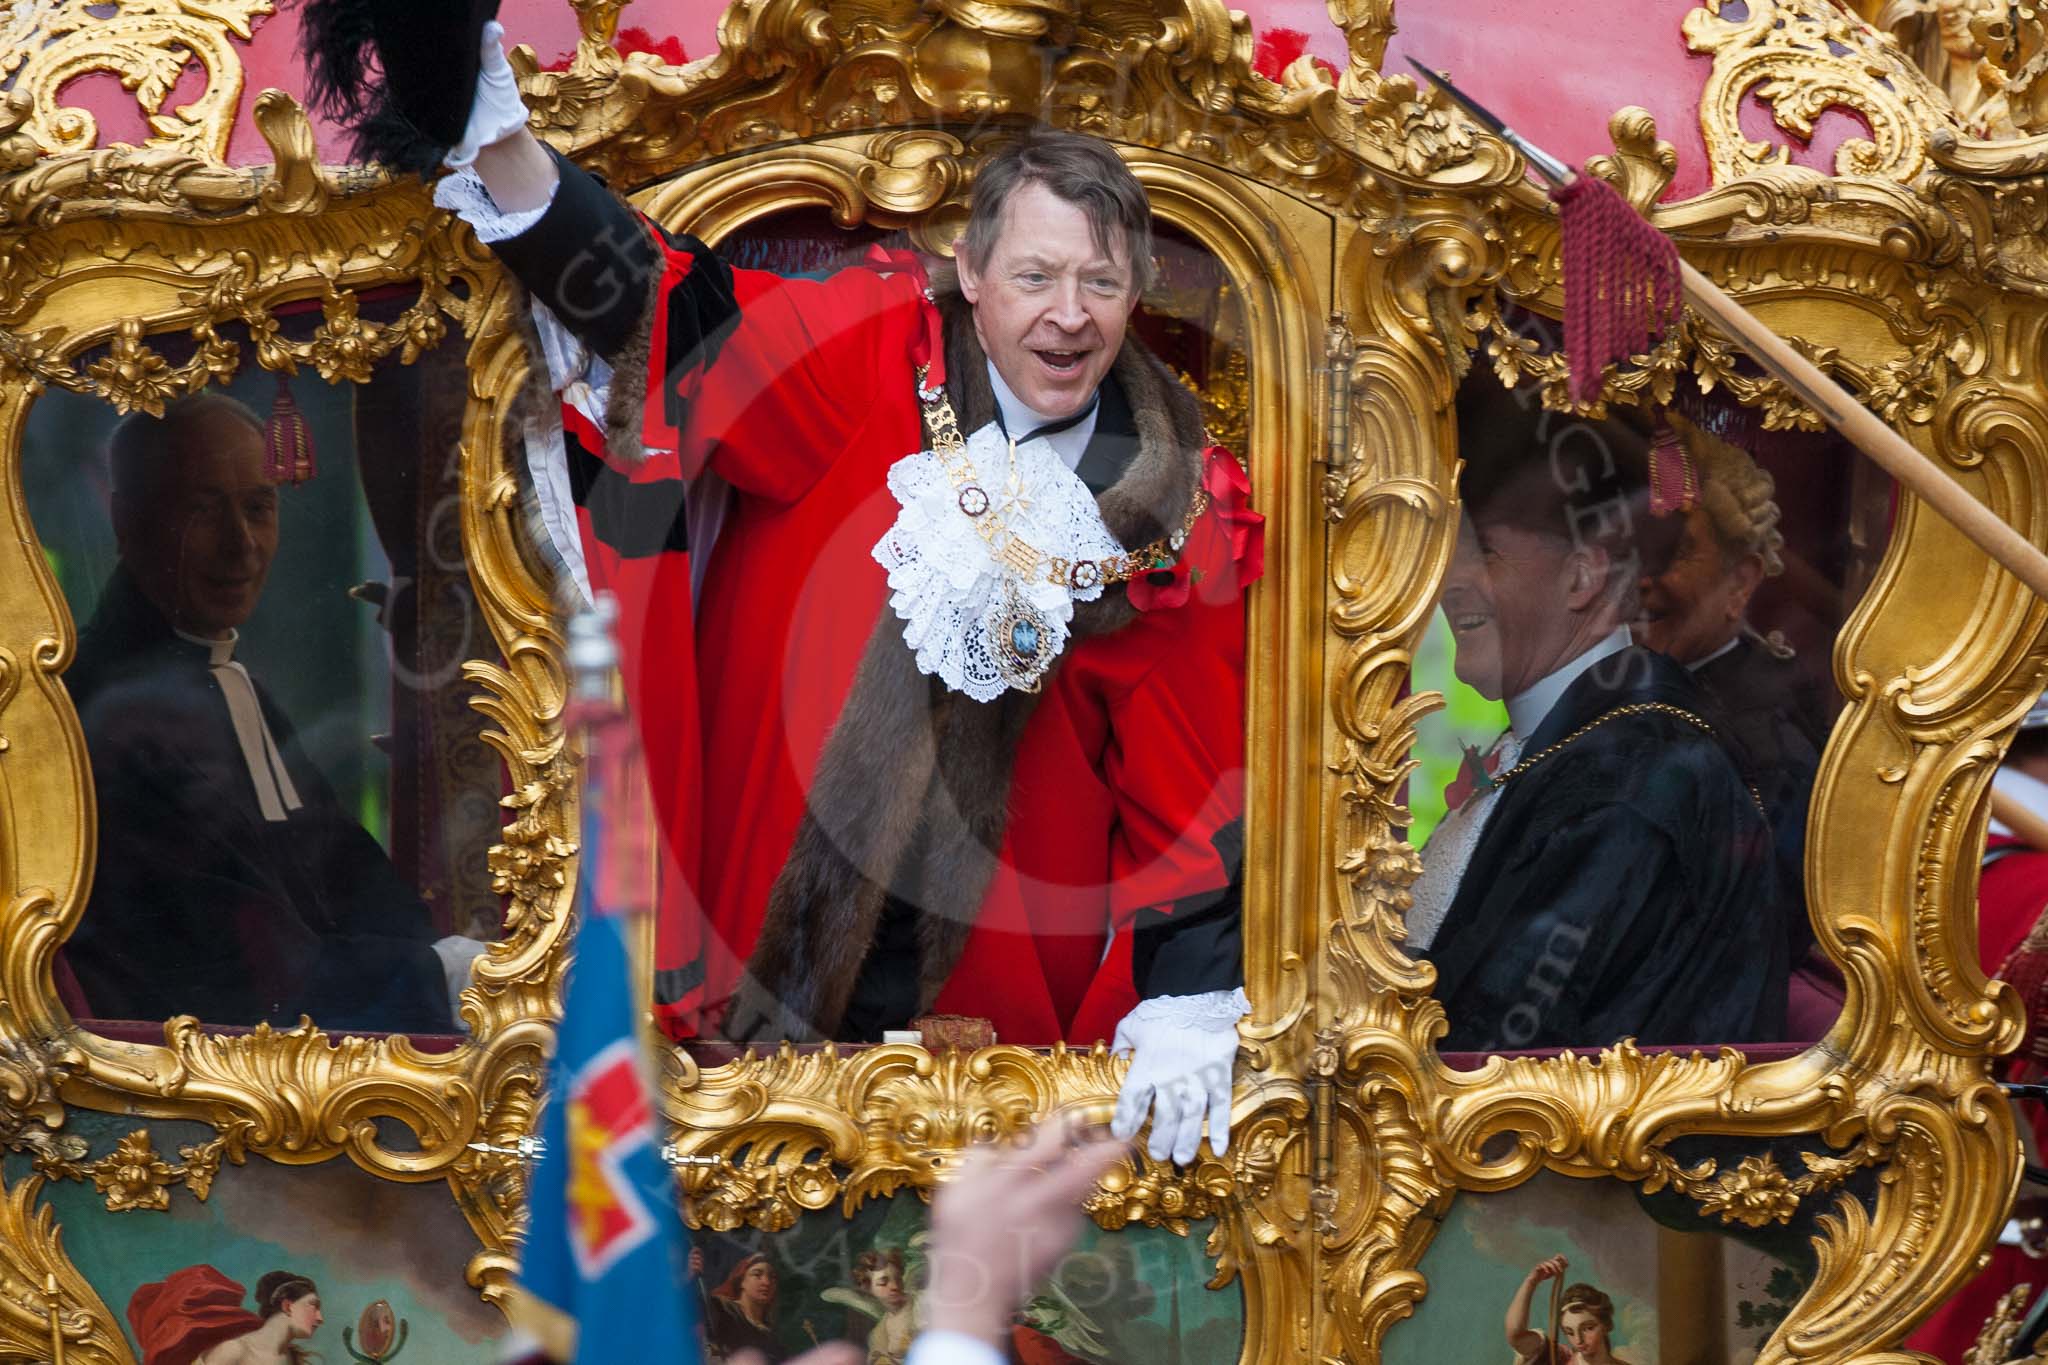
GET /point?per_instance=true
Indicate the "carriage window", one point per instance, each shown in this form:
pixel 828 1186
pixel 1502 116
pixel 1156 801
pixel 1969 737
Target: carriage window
pixel 1634 637
pixel 292 800
pixel 1024 867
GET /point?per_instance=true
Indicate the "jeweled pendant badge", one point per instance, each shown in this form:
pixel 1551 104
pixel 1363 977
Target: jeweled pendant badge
pixel 1021 634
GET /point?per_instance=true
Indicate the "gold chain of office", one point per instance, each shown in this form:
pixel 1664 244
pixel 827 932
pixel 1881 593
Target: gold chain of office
pixel 1011 550
pixel 1635 708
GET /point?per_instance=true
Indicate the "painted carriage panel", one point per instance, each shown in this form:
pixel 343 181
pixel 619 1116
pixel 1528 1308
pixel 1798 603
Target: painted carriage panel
pixel 195 1272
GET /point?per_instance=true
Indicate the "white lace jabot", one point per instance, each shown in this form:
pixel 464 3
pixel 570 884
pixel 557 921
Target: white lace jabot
pixel 945 580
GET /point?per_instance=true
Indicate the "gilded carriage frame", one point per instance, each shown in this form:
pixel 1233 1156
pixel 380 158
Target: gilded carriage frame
pixel 1374 237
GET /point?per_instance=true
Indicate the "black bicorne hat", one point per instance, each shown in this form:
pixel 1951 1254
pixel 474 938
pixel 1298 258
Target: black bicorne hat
pixel 401 74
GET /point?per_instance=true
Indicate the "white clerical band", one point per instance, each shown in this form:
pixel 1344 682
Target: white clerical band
pixel 276 797
pixel 274 791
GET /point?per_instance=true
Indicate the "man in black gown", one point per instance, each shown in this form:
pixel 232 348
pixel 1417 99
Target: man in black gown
pixel 230 883
pixel 1612 877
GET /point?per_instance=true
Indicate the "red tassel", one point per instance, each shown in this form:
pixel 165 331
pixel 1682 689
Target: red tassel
pixel 1674 483
pixel 287 439
pixel 1621 285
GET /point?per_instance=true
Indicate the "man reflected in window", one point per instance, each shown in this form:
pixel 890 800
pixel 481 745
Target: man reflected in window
pixel 1610 875
pixel 230 883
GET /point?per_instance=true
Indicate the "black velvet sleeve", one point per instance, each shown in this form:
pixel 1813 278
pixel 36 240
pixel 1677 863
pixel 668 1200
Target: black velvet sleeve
pixel 1199 945
pixel 638 520
pixel 590 259
pixel 655 305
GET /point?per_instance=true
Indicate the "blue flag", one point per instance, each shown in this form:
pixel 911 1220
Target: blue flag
pixel 605 1248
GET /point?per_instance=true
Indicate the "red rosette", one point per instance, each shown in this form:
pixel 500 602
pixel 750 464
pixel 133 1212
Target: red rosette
pixel 928 347
pixel 1226 549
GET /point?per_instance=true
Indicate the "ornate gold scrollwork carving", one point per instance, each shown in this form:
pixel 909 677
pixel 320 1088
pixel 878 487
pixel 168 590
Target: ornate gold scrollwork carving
pixel 531 867
pixel 163 180
pixel 1181 79
pixel 1642 164
pixel 1994 1342
pixel 133 375
pixel 1800 57
pixel 1340 352
pixel 1389 114
pixel 2014 41
pixel 762 1141
pixel 1757 1192
pixel 47 1310
pixel 1984 55
pixel 133 1175
pixel 821 1129
pixel 599 18
pixel 45 44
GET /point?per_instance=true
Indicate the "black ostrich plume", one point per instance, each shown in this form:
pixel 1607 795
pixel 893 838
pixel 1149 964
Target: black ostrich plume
pixel 399 74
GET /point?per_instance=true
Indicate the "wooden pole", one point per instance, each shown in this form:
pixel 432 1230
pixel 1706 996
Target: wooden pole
pixel 2015 816
pixel 1835 404
pixel 1894 453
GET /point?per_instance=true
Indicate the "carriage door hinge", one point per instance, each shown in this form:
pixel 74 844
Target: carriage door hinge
pixel 1322 1119
pixel 1340 354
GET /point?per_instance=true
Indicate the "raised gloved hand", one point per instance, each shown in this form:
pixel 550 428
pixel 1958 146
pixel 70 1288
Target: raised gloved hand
pixel 1183 1049
pixel 497 112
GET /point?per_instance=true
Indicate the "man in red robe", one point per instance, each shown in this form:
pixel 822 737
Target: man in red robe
pixel 970 640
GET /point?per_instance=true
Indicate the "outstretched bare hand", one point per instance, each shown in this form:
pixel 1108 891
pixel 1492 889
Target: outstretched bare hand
pixel 1005 1221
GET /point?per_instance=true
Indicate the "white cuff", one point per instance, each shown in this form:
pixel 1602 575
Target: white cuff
pixel 951 1348
pixel 1209 1010
pixel 463 194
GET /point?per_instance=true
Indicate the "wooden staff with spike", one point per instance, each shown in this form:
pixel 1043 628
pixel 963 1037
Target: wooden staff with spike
pixel 1835 404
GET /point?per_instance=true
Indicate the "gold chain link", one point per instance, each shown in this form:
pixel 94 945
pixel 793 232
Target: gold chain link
pixel 1011 549
pixel 1637 708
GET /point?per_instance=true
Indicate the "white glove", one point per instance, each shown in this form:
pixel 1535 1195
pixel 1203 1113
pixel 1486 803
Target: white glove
pixel 497 112
pixel 458 954
pixel 1182 1049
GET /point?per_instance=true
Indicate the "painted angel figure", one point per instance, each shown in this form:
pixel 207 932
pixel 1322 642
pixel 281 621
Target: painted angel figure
pixel 881 1295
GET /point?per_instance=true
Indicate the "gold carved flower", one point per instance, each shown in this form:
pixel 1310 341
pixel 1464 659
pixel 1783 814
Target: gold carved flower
pixel 530 865
pixel 132 376
pixel 1755 1193
pixel 133 1176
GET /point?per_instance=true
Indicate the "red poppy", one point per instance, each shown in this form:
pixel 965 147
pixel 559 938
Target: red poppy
pixel 1475 774
pixel 1226 549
